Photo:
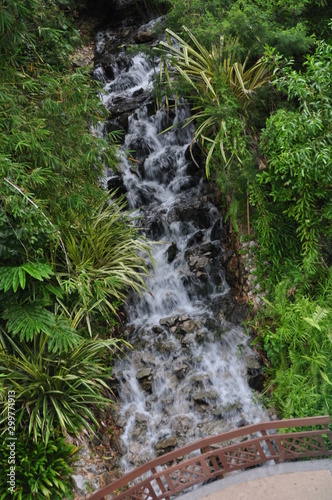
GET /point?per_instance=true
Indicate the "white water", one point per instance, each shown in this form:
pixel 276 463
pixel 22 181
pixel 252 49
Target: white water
pixel 206 359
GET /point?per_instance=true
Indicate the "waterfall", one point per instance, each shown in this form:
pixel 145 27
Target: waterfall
pixel 187 375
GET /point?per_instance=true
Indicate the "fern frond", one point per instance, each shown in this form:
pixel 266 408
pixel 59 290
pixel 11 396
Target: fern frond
pixel 62 337
pixel 28 320
pixel 15 276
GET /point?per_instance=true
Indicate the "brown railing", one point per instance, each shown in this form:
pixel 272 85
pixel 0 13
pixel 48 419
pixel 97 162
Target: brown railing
pixel 221 454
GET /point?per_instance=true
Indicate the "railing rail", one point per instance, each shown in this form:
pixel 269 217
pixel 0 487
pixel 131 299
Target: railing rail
pixel 219 455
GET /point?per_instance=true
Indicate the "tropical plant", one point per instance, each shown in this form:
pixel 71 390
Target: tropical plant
pixel 106 259
pixel 55 392
pixel 287 26
pixel 41 470
pixel 221 88
pixel 298 146
pixel 295 333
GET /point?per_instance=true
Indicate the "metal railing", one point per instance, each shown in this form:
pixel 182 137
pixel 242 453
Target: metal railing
pixel 219 455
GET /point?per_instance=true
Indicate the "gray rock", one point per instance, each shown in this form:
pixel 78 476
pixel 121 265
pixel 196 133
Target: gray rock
pixel 145 37
pixel 188 326
pixel 144 373
pixel 166 443
pixel 169 321
pixel 93 468
pixel 205 396
pixel 80 483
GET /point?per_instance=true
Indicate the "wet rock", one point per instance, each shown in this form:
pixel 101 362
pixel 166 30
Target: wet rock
pixel 195 238
pixel 168 321
pixel 255 372
pixel 188 340
pixel 180 369
pixel 144 376
pixel 198 263
pixel 188 326
pixel 144 37
pixel 166 444
pixel 205 396
pixel 125 104
pixel 198 213
pixel 217 231
pixel 165 346
pixel 116 183
pixel 144 373
pixel 232 408
pixel 239 314
pixel 172 252
pixel 157 329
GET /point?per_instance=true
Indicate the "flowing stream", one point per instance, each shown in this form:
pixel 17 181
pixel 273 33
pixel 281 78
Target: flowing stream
pixel 187 376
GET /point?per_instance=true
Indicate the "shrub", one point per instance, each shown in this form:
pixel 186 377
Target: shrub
pixel 41 471
pixel 55 390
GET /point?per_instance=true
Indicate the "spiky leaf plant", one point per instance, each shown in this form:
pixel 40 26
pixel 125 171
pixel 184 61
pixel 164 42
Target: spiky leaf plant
pixel 107 258
pixel 55 392
pixel 209 75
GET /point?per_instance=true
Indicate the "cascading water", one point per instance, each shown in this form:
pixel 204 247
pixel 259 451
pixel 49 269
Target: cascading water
pixel 187 377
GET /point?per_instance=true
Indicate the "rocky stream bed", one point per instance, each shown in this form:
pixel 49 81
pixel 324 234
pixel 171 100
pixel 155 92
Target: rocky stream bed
pixel 192 372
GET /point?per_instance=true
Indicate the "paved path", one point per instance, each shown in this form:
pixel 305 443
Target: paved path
pixel 310 480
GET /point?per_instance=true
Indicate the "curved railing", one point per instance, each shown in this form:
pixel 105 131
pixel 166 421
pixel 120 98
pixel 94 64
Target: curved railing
pixel 218 455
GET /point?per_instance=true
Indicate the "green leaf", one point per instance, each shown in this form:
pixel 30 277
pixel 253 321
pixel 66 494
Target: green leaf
pixel 28 320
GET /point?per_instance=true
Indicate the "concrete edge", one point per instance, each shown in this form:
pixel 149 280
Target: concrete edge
pixel 239 477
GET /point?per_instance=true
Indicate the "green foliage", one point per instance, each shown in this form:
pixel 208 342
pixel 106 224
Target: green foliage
pixel 67 255
pixel 295 333
pixel 278 23
pixel 221 89
pixel 298 145
pixel 106 259
pixel 53 392
pixel 41 471
pixel 35 31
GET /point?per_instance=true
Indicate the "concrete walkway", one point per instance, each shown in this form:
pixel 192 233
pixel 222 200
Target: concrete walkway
pixel 310 480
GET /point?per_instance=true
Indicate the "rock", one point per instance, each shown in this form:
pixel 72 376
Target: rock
pixel 188 326
pixel 205 396
pixel 169 321
pixel 116 183
pixel 141 418
pixel 166 443
pixel 232 271
pixel 143 373
pixel 180 368
pixel 172 252
pixel 232 408
pixel 188 339
pixel 80 483
pixel 105 440
pixel 144 37
pixel 195 238
pixel 92 468
pixel 144 376
pixel 217 231
pixel 157 329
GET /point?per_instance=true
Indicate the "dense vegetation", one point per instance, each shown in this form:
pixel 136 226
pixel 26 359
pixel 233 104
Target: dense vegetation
pixel 259 77
pixel 68 255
